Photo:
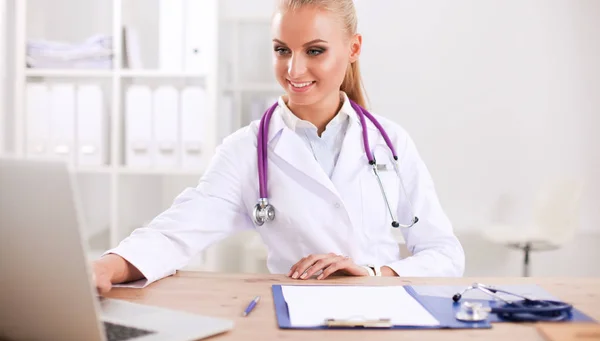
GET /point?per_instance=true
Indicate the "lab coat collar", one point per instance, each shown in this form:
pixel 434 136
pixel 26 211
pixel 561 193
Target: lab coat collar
pixel 292 121
pixel 290 148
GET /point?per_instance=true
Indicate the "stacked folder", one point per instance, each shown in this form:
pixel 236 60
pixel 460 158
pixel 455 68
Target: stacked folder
pixel 166 128
pixel 67 122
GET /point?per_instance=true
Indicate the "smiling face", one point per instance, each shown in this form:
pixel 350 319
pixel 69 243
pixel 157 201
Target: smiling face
pixel 311 53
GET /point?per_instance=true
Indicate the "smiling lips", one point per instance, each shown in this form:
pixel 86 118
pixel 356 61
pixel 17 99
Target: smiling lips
pixel 301 87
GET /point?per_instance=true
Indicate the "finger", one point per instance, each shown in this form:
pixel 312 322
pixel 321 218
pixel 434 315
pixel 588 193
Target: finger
pixel 340 265
pixel 319 265
pixel 102 288
pixel 307 263
pixel 293 268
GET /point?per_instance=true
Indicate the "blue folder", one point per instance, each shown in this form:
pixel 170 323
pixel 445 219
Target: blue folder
pixel 442 308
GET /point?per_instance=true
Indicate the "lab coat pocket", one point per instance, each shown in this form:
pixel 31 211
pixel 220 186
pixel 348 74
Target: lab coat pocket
pixel 282 235
pixel 376 218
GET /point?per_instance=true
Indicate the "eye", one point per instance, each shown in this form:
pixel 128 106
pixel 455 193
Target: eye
pixel 280 50
pixel 315 51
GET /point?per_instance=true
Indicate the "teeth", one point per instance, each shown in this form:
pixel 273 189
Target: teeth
pixel 300 85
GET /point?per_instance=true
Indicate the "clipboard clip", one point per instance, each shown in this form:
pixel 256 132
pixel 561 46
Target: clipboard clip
pixel 359 323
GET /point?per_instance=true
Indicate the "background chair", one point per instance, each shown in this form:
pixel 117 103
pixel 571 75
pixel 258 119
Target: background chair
pixel 554 221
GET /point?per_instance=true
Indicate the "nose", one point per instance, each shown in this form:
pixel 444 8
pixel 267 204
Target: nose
pixel 296 66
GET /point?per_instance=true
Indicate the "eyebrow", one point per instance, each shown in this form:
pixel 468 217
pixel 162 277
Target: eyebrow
pixel 306 44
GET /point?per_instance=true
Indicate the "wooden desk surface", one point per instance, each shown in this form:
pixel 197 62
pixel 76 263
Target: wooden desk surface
pixel 226 296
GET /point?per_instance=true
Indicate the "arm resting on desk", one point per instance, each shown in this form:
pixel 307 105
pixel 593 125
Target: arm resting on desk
pixel 117 269
pixel 436 252
pixel 199 217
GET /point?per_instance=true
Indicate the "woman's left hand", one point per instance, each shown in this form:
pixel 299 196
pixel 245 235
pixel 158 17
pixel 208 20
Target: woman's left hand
pixel 328 263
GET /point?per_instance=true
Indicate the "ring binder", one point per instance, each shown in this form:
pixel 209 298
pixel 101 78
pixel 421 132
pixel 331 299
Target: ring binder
pixel 354 323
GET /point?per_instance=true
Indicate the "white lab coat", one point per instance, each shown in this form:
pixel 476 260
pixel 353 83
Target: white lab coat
pixel 314 214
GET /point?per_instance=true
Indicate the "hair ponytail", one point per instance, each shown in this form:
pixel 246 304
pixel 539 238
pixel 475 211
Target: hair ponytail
pixel 352 85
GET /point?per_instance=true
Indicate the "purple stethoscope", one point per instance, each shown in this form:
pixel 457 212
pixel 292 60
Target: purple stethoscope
pixel 265 212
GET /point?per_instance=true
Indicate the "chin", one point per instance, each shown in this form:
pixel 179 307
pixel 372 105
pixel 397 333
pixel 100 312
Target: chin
pixel 302 99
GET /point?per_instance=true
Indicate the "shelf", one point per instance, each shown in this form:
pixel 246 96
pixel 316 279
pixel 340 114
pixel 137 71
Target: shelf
pixel 258 87
pixel 92 169
pixel 247 20
pixel 109 73
pixel 135 171
pixel 67 73
pixel 158 171
pixel 159 74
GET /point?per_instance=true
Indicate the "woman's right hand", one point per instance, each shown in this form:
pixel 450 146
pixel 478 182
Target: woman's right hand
pixel 102 277
pixel 111 269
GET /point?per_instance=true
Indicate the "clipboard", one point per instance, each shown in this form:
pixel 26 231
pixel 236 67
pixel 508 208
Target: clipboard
pixel 439 307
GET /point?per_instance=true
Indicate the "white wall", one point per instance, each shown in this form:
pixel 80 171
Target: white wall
pixel 496 94
pixel 3 71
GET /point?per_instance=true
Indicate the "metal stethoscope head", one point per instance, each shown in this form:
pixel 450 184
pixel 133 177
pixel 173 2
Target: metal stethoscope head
pixel 264 212
pixel 524 310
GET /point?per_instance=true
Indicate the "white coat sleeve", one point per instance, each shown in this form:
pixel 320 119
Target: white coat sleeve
pixel 197 218
pixel 435 250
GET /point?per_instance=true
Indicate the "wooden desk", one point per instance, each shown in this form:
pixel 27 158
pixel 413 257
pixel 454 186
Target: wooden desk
pixel 226 296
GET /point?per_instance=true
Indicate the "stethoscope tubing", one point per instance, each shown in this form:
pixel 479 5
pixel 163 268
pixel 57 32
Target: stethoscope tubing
pixel 262 140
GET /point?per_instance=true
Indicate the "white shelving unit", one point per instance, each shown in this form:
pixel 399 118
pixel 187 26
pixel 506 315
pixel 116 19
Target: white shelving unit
pixel 117 198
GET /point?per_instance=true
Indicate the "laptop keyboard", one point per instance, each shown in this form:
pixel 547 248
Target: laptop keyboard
pixel 116 332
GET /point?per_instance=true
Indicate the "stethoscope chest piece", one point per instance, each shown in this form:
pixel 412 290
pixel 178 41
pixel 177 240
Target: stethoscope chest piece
pixel 472 312
pixel 263 212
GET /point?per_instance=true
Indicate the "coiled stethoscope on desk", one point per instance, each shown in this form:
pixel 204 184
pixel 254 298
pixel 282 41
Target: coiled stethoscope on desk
pixel 525 310
pixel 265 212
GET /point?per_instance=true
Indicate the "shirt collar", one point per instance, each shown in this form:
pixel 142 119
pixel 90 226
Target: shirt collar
pixel 293 122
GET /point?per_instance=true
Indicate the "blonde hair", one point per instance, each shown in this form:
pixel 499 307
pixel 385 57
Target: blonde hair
pixel 346 12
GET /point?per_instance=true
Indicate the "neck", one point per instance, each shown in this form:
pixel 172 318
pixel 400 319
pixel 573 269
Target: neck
pixel 320 113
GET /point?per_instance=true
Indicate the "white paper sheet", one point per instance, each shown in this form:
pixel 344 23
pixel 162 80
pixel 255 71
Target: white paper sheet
pixel 139 284
pixel 310 306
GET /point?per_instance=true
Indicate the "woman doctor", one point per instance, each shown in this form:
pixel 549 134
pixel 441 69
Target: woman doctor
pixel 330 213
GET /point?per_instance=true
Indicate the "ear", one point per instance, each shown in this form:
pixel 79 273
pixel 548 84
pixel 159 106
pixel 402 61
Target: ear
pixel 355 47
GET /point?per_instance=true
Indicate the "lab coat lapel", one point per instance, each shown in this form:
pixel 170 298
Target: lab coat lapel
pixel 292 150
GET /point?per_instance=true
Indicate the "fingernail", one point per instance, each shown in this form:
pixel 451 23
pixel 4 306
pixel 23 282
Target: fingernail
pixel 320 276
pixel 304 275
pixel 295 275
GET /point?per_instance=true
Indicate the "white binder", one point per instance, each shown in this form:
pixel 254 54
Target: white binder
pixel 193 110
pixel 165 147
pixel 138 126
pixel 62 123
pixel 200 31
pixel 171 35
pixel 37 120
pixel 91 126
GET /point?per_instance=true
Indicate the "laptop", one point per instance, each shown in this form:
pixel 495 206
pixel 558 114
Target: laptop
pixel 46 291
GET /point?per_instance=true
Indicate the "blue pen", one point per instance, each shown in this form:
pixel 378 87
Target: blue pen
pixel 251 306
